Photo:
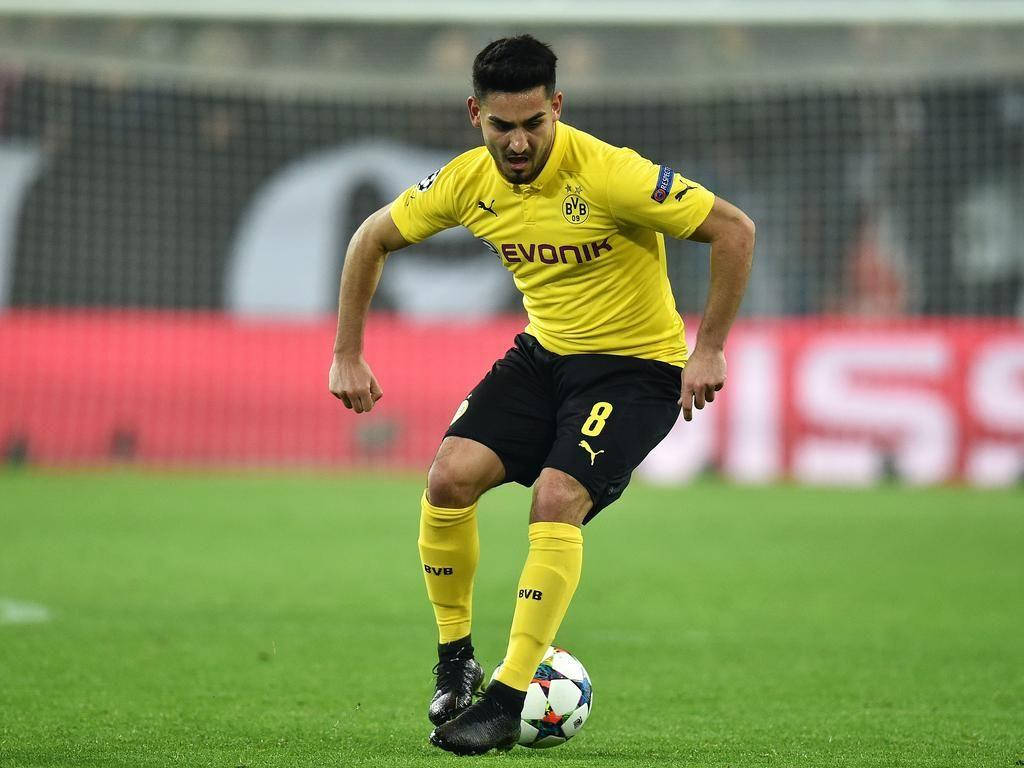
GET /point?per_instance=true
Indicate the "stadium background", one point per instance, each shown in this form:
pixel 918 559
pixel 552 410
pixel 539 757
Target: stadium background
pixel 177 186
pixel 180 191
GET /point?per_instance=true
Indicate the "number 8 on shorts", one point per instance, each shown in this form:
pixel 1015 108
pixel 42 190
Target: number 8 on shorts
pixel 595 422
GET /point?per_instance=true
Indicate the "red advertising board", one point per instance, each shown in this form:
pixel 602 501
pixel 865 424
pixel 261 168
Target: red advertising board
pixel 817 399
pixel 828 401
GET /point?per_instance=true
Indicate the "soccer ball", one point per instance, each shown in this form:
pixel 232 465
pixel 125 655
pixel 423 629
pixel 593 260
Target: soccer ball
pixel 558 701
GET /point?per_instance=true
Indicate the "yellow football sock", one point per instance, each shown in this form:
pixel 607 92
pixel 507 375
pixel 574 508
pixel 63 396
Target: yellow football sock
pixel 549 580
pixel 449 551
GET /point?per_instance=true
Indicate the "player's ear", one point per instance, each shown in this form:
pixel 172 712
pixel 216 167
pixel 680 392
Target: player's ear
pixel 473 105
pixel 556 105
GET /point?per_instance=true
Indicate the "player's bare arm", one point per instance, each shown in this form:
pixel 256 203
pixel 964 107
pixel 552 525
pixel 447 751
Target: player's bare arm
pixel 351 379
pixel 731 234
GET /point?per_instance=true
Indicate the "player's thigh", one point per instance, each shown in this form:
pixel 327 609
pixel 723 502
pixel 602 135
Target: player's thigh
pixel 461 472
pixel 619 410
pixel 512 412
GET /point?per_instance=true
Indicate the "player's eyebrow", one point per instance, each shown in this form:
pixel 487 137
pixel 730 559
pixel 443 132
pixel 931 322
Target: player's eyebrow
pixel 506 124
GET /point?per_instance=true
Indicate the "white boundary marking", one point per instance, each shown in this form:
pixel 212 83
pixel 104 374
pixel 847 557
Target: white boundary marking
pixel 648 12
pixel 20 612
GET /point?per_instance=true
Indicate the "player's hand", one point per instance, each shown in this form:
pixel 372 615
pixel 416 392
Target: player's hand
pixel 703 375
pixel 352 382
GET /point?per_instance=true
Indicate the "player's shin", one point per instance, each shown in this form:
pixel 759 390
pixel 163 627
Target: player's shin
pixel 546 586
pixel 449 550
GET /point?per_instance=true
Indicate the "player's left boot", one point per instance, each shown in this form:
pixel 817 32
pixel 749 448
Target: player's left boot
pixel 492 722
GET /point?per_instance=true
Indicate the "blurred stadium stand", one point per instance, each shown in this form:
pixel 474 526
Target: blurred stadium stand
pixel 177 186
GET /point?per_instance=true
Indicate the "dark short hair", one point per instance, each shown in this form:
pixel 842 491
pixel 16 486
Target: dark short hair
pixel 512 65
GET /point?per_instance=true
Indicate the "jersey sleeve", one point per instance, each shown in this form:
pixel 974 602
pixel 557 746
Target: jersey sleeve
pixel 643 194
pixel 427 207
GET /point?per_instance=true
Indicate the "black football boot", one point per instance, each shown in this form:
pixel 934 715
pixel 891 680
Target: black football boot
pixel 459 676
pixel 492 722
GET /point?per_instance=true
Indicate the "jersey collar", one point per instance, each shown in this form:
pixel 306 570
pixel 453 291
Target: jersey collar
pixel 551 165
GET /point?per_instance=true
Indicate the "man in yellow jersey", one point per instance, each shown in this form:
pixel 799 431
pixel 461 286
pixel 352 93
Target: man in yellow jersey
pixel 594 382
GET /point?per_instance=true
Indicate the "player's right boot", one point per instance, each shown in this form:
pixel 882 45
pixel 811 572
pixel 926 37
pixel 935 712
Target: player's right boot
pixel 459 676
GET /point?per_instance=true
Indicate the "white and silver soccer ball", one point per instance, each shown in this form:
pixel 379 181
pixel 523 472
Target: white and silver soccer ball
pixel 558 701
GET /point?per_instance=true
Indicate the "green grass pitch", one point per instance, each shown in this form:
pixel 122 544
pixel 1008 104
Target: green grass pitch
pixel 280 620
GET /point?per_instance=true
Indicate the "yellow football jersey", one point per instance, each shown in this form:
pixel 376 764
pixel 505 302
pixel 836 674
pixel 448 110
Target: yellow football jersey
pixel 584 242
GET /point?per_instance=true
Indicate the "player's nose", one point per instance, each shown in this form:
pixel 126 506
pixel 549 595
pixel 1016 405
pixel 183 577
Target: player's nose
pixel 518 142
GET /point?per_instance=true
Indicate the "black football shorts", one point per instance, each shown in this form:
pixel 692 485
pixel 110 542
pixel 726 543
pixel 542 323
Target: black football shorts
pixel 594 417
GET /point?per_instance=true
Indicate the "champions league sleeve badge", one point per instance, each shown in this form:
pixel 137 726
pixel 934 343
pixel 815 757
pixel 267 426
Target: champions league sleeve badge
pixel 428 181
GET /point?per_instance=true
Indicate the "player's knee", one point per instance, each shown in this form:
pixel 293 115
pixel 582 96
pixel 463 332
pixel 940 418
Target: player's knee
pixel 559 498
pixel 450 487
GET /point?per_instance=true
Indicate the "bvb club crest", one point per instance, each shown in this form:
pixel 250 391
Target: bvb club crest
pixel 575 209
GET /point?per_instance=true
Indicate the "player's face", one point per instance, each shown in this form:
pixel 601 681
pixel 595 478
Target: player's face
pixel 518 129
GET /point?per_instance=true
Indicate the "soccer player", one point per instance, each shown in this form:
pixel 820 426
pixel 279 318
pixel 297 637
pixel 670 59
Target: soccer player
pixel 594 382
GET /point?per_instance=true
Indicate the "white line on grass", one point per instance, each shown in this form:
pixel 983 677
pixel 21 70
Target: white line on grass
pixel 19 612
